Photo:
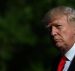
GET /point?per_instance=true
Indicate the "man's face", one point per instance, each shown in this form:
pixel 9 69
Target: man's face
pixel 62 32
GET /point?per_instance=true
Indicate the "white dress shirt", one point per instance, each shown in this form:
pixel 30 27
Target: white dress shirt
pixel 70 55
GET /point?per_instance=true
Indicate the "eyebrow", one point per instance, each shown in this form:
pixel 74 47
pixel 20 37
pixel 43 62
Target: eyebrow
pixel 53 24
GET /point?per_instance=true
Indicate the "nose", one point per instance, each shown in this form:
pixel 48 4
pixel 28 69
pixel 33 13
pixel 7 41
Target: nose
pixel 54 31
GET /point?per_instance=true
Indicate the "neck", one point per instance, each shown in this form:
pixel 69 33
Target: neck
pixel 66 49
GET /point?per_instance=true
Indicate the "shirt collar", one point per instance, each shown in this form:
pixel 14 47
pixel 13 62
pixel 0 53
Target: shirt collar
pixel 71 53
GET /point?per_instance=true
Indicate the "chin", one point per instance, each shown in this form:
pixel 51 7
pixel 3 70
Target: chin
pixel 59 45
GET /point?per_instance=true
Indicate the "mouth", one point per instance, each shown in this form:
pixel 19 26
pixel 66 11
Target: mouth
pixel 57 40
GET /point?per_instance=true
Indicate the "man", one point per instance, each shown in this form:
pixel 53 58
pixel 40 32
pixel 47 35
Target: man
pixel 61 23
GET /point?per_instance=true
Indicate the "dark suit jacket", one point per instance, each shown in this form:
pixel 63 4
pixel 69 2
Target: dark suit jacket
pixel 56 62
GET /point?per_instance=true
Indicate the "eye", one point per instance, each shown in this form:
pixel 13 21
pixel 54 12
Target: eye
pixel 58 26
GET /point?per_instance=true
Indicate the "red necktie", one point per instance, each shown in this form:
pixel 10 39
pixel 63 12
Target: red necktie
pixel 61 63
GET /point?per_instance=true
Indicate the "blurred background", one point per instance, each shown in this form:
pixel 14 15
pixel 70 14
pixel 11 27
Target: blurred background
pixel 25 44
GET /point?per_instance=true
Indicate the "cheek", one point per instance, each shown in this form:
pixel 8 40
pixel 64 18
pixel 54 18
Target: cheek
pixel 67 36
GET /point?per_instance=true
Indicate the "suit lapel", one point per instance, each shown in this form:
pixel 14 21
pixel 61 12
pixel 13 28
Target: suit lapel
pixel 72 65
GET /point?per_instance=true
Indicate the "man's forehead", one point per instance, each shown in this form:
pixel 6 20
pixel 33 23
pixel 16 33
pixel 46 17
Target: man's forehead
pixel 52 22
pixel 56 17
pixel 55 20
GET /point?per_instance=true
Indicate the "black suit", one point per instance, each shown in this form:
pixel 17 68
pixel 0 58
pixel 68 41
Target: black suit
pixel 56 62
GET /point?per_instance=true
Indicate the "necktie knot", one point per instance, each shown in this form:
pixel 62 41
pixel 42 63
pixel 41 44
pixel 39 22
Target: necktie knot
pixel 64 58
